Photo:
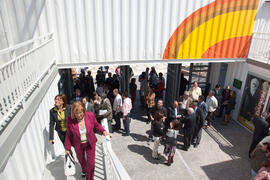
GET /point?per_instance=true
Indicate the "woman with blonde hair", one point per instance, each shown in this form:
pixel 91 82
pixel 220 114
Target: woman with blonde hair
pixel 80 134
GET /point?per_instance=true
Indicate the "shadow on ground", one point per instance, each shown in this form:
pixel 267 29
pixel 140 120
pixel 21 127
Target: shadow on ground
pixel 234 140
pixel 226 170
pixel 138 137
pixel 146 152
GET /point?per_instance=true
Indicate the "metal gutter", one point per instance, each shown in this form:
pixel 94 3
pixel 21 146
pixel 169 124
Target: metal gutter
pixel 143 61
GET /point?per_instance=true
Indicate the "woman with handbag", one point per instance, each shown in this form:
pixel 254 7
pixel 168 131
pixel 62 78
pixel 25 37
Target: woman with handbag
pixel 80 134
pixel 58 115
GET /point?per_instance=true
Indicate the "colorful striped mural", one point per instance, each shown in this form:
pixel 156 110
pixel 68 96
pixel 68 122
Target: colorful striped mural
pixel 221 29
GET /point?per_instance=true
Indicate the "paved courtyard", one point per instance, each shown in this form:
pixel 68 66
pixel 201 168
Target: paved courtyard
pixel 222 153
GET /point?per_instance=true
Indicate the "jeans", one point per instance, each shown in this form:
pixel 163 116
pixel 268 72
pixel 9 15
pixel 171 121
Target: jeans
pixel 126 122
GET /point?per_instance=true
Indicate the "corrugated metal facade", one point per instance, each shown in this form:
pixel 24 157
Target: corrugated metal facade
pixel 33 151
pixel 260 45
pixel 97 31
pixel 22 20
pixel 125 30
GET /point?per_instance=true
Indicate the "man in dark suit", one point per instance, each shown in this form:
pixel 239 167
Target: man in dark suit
pixel 200 118
pixel 218 94
pixel 173 113
pixel 261 129
pixel 183 85
pixel 189 127
pixel 225 97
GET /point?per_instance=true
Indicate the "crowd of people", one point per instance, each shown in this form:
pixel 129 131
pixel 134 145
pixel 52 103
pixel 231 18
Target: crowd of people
pixel 188 114
pixel 259 151
pixel 77 120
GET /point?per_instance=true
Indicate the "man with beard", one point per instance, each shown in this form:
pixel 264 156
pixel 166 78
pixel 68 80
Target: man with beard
pixel 173 113
pixel 189 127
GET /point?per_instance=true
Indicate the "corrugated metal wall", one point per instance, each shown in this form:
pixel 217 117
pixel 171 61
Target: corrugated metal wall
pixel 132 30
pixel 22 20
pixel 33 150
pixel 95 31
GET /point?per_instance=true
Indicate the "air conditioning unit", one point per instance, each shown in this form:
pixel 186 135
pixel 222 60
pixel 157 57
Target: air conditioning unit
pixel 266 0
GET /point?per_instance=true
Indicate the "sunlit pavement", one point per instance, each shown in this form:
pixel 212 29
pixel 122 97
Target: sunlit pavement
pixel 222 153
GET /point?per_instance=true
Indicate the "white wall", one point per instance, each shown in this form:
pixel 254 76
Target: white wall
pixel 117 30
pixel 237 71
pixel 214 74
pixel 33 150
pixel 260 44
pixel 22 20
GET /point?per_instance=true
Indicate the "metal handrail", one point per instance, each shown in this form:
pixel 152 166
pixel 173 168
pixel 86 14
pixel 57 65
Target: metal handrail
pixel 6 50
pixel 113 167
pixel 13 95
pixel 259 48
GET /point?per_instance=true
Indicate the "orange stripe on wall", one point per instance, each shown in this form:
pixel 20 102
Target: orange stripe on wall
pixel 217 50
pixel 200 16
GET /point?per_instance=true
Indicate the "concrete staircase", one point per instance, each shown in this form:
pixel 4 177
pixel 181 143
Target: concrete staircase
pixel 55 169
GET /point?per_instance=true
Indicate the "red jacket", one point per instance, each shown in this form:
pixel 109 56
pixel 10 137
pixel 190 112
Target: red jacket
pixel 73 137
pixel 159 89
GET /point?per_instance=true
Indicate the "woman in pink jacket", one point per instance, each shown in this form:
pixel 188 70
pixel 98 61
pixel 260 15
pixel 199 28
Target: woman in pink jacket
pixel 80 134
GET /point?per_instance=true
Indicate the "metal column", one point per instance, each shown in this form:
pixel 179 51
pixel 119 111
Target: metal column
pixel 65 85
pixel 124 79
pixel 173 83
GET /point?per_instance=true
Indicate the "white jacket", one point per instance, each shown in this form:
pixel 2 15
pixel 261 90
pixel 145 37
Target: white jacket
pixel 212 103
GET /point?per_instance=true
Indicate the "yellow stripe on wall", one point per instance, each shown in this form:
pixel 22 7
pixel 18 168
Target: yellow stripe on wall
pixel 222 27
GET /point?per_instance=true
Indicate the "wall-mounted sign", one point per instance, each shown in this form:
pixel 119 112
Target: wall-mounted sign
pixel 237 83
